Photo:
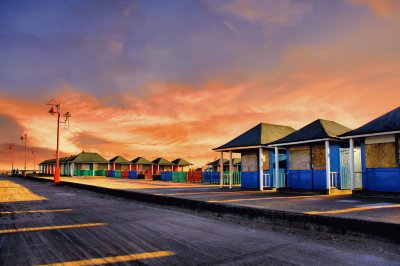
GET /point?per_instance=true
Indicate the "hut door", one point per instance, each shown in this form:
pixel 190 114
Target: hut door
pixel 345 181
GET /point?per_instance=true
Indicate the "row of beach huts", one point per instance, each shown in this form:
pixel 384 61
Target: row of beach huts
pixel 322 156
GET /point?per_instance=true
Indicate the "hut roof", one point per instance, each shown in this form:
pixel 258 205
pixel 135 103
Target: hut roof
pixel 181 162
pixel 89 157
pixel 388 122
pixel 262 134
pixel 162 161
pixel 141 160
pixel 319 129
pixel 119 160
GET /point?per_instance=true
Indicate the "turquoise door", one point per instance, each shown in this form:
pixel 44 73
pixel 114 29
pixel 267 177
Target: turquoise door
pixel 345 181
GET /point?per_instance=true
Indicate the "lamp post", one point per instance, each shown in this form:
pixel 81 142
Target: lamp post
pixel 33 153
pixel 56 109
pixel 12 158
pixel 24 136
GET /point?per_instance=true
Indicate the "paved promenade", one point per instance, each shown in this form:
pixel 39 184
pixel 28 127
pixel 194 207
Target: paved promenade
pixel 345 206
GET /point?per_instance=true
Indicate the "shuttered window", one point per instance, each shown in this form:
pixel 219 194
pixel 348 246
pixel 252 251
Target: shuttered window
pixel 299 158
pixel 249 162
pixel 381 155
pixel 318 157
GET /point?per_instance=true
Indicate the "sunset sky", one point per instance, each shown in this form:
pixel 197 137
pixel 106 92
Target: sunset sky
pixel 175 78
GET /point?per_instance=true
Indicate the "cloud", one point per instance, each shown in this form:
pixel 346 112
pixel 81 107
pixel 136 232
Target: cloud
pixel 272 13
pixel 381 8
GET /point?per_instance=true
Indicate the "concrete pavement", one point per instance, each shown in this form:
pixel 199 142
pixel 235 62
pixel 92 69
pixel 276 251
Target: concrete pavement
pixel 44 224
pixel 367 215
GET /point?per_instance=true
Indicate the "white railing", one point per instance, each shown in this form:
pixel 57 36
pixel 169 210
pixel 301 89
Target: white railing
pixel 334 179
pixel 358 179
pixel 283 180
pixel 267 178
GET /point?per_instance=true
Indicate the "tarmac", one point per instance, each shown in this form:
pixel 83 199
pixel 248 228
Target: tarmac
pixel 43 224
pixel 379 217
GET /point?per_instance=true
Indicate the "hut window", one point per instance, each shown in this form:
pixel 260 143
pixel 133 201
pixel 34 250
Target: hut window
pixel 266 160
pixel 318 157
pixel 381 155
pixel 249 162
pixel 299 158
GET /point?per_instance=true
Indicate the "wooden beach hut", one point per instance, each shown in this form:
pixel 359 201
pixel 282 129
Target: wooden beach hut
pixel 313 154
pixel 380 157
pixel 88 164
pixel 161 165
pixel 119 163
pixel 181 165
pixel 142 165
pixel 256 156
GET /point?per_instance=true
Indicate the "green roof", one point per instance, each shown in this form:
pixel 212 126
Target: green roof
pixel 119 160
pixel 162 161
pixel 181 162
pixel 141 160
pixel 262 134
pixel 89 157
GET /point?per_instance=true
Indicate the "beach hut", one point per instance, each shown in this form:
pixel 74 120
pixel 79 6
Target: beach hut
pixel 314 156
pixel 161 165
pixel 181 165
pixel 180 169
pixel 88 164
pixel 380 158
pixel 119 163
pixel 256 156
pixel 142 165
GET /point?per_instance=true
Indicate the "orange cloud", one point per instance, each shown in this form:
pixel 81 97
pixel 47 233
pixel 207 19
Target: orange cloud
pixel 382 8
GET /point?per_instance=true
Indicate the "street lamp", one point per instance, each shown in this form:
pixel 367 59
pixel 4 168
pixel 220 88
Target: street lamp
pixel 56 109
pixel 33 153
pixel 12 158
pixel 24 136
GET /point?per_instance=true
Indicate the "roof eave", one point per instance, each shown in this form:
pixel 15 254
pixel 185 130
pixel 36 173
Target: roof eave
pixel 370 134
pixel 300 142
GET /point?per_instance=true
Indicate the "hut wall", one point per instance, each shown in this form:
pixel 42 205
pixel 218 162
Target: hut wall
pixel 380 163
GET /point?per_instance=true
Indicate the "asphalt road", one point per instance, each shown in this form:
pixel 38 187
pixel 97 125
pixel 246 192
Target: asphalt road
pixel 43 224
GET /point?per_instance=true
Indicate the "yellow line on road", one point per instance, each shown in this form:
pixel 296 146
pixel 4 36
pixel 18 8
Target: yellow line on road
pixel 116 259
pixel 56 227
pixel 35 211
pixel 366 208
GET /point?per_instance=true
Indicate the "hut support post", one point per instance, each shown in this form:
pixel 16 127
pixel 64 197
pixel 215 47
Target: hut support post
pixel 260 168
pixel 328 166
pixel 230 169
pixel 93 169
pixel 276 167
pixel 221 170
pixel 130 167
pixel 352 177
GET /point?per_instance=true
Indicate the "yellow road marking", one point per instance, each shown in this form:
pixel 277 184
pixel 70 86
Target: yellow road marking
pixel 107 260
pixel 366 208
pixel 35 211
pixel 56 227
pixel 202 193
pixel 272 198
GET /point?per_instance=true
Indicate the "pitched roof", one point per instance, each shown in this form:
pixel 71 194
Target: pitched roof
pixel 89 157
pixel 261 134
pixel 319 129
pixel 181 162
pixel 162 161
pixel 141 160
pixel 119 160
pixel 226 161
pixel 385 123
